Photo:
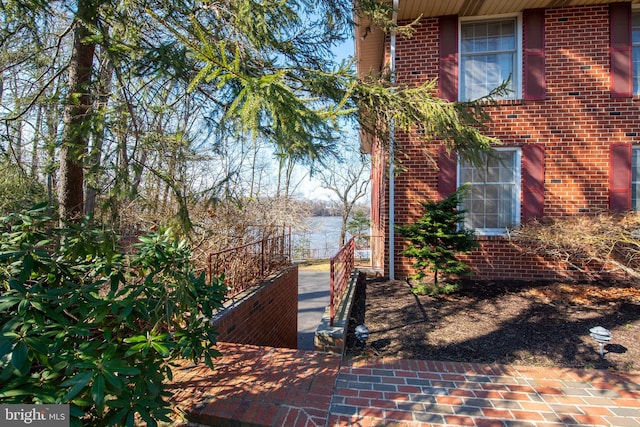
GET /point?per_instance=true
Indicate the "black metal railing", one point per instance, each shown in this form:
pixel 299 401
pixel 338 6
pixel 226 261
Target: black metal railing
pixel 247 265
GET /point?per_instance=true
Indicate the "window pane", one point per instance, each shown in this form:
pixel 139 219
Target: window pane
pixel 466 174
pixel 492 192
pixel 493 174
pixel 487 57
pixel 492 221
pixel 492 200
pixel 501 35
pixel 636 28
pixel 483 73
pixel 636 69
pixel 506 173
pixel 635 179
pixel 491 204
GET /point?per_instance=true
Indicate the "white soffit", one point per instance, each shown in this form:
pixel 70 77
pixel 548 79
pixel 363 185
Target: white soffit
pixel 369 41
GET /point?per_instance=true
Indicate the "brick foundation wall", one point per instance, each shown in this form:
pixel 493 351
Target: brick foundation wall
pixel 576 123
pixel 266 315
pixel 501 258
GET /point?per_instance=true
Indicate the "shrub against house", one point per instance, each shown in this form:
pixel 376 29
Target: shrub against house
pixel 436 238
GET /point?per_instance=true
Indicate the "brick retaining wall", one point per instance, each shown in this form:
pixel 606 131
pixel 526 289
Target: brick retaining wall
pixel 266 315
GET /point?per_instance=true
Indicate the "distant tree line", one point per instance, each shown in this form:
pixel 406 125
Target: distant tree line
pixel 331 208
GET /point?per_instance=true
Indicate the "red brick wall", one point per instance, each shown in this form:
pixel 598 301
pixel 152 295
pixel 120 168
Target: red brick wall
pixel 577 122
pixel 266 315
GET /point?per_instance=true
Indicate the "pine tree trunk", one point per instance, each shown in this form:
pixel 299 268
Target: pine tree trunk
pixel 77 116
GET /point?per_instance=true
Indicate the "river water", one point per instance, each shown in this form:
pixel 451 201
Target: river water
pixel 320 238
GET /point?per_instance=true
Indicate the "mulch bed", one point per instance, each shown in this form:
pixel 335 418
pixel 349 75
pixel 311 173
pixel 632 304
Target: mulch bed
pixel 521 323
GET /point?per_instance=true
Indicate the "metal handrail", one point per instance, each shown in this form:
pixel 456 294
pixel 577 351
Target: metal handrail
pixel 341 266
pixel 247 265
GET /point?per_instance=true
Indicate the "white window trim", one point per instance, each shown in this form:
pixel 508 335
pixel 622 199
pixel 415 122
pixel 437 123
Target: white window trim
pixel 517 75
pixel 516 206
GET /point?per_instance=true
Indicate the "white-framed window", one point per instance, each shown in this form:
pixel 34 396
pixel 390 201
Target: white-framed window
pixel 492 203
pixel 490 54
pixel 635 43
pixel 635 178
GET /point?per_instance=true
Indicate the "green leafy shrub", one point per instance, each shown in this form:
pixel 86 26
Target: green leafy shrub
pixel 435 238
pixel 85 325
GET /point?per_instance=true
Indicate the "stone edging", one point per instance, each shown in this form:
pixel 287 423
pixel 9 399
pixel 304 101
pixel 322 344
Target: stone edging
pixel 332 339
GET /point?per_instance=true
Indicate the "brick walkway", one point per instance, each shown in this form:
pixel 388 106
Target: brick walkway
pixel 258 386
pixel 416 392
pixel 280 387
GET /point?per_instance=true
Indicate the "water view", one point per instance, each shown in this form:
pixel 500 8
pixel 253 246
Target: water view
pixel 319 239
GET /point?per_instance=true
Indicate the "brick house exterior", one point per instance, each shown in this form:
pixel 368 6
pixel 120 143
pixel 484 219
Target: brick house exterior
pixel 569 130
